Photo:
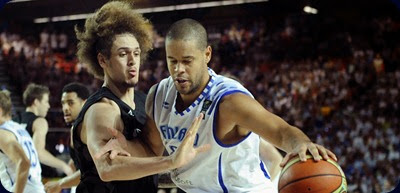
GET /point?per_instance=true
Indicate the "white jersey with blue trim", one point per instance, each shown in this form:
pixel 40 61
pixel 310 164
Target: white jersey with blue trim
pixel 224 168
pixel 8 170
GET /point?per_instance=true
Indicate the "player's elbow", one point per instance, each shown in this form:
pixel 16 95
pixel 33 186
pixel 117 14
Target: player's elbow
pixel 105 170
pixel 24 164
pixel 41 153
pixel 106 175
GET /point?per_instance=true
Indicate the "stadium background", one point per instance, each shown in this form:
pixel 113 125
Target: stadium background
pixel 334 72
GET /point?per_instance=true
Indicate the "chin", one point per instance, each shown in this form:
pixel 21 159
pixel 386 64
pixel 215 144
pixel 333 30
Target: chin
pixel 184 91
pixel 130 84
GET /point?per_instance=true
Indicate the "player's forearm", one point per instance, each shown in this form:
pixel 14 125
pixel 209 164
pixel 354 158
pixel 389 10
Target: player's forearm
pixel 23 166
pixel 292 137
pixel 70 181
pixel 48 159
pixel 130 168
pixel 71 164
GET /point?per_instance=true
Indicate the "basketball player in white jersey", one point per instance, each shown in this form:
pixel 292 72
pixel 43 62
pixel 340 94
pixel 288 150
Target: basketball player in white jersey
pixel 233 121
pixel 20 170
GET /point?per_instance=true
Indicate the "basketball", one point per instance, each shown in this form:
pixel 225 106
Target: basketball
pixel 312 177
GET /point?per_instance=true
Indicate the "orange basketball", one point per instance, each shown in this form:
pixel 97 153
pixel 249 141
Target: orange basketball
pixel 312 177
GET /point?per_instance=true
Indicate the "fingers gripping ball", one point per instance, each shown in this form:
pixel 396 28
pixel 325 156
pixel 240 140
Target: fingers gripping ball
pixel 312 177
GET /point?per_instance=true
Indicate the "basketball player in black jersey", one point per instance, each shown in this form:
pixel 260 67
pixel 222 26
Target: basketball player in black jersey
pixel 73 98
pixel 113 44
pixel 36 99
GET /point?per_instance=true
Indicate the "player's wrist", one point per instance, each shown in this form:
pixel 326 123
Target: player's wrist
pixel 171 164
pixel 61 183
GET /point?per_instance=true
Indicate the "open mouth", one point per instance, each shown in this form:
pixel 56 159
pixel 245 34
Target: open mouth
pixel 181 80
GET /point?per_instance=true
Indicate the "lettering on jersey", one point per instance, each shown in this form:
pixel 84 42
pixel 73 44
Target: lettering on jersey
pixel 178 180
pixel 23 132
pixel 175 133
pixel 165 105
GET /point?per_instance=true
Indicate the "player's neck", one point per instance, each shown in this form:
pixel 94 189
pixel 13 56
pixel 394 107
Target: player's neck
pixel 32 109
pixel 124 93
pixel 3 119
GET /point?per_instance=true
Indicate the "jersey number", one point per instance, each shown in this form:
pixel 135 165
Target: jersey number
pixel 31 152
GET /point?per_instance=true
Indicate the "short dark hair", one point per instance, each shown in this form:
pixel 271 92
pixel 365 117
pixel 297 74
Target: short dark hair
pixel 81 90
pixel 34 91
pixel 188 29
pixel 5 102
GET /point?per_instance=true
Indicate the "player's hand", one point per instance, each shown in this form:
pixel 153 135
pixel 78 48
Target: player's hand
pixel 115 146
pixel 52 187
pixel 317 151
pixel 186 152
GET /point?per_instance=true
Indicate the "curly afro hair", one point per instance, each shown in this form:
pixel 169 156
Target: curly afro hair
pixel 111 19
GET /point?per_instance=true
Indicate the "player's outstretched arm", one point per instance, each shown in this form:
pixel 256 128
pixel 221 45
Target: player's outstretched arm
pixel 254 117
pixel 139 164
pixel 63 183
pixel 40 128
pixel 14 151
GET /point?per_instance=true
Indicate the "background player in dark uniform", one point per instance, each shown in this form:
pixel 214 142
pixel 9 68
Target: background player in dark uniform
pixel 36 99
pixel 113 44
pixel 73 98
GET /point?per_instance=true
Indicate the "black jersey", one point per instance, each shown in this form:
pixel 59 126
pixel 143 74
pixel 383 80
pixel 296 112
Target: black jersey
pixel 133 125
pixel 27 119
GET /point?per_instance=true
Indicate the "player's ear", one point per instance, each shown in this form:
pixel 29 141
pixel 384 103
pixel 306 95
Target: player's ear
pixel 102 60
pixel 208 54
pixel 36 101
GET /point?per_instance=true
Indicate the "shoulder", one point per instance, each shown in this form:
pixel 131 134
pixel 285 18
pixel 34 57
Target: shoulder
pixel 103 107
pixel 242 104
pixel 40 123
pixel 150 100
pixel 6 137
pixel 234 100
pixel 164 85
pixel 224 88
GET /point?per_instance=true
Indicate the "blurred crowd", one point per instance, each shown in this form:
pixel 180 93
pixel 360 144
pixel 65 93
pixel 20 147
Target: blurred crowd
pixel 340 86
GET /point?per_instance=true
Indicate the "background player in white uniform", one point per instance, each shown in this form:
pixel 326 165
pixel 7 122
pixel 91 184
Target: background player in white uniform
pixel 36 99
pixel 19 164
pixel 233 123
